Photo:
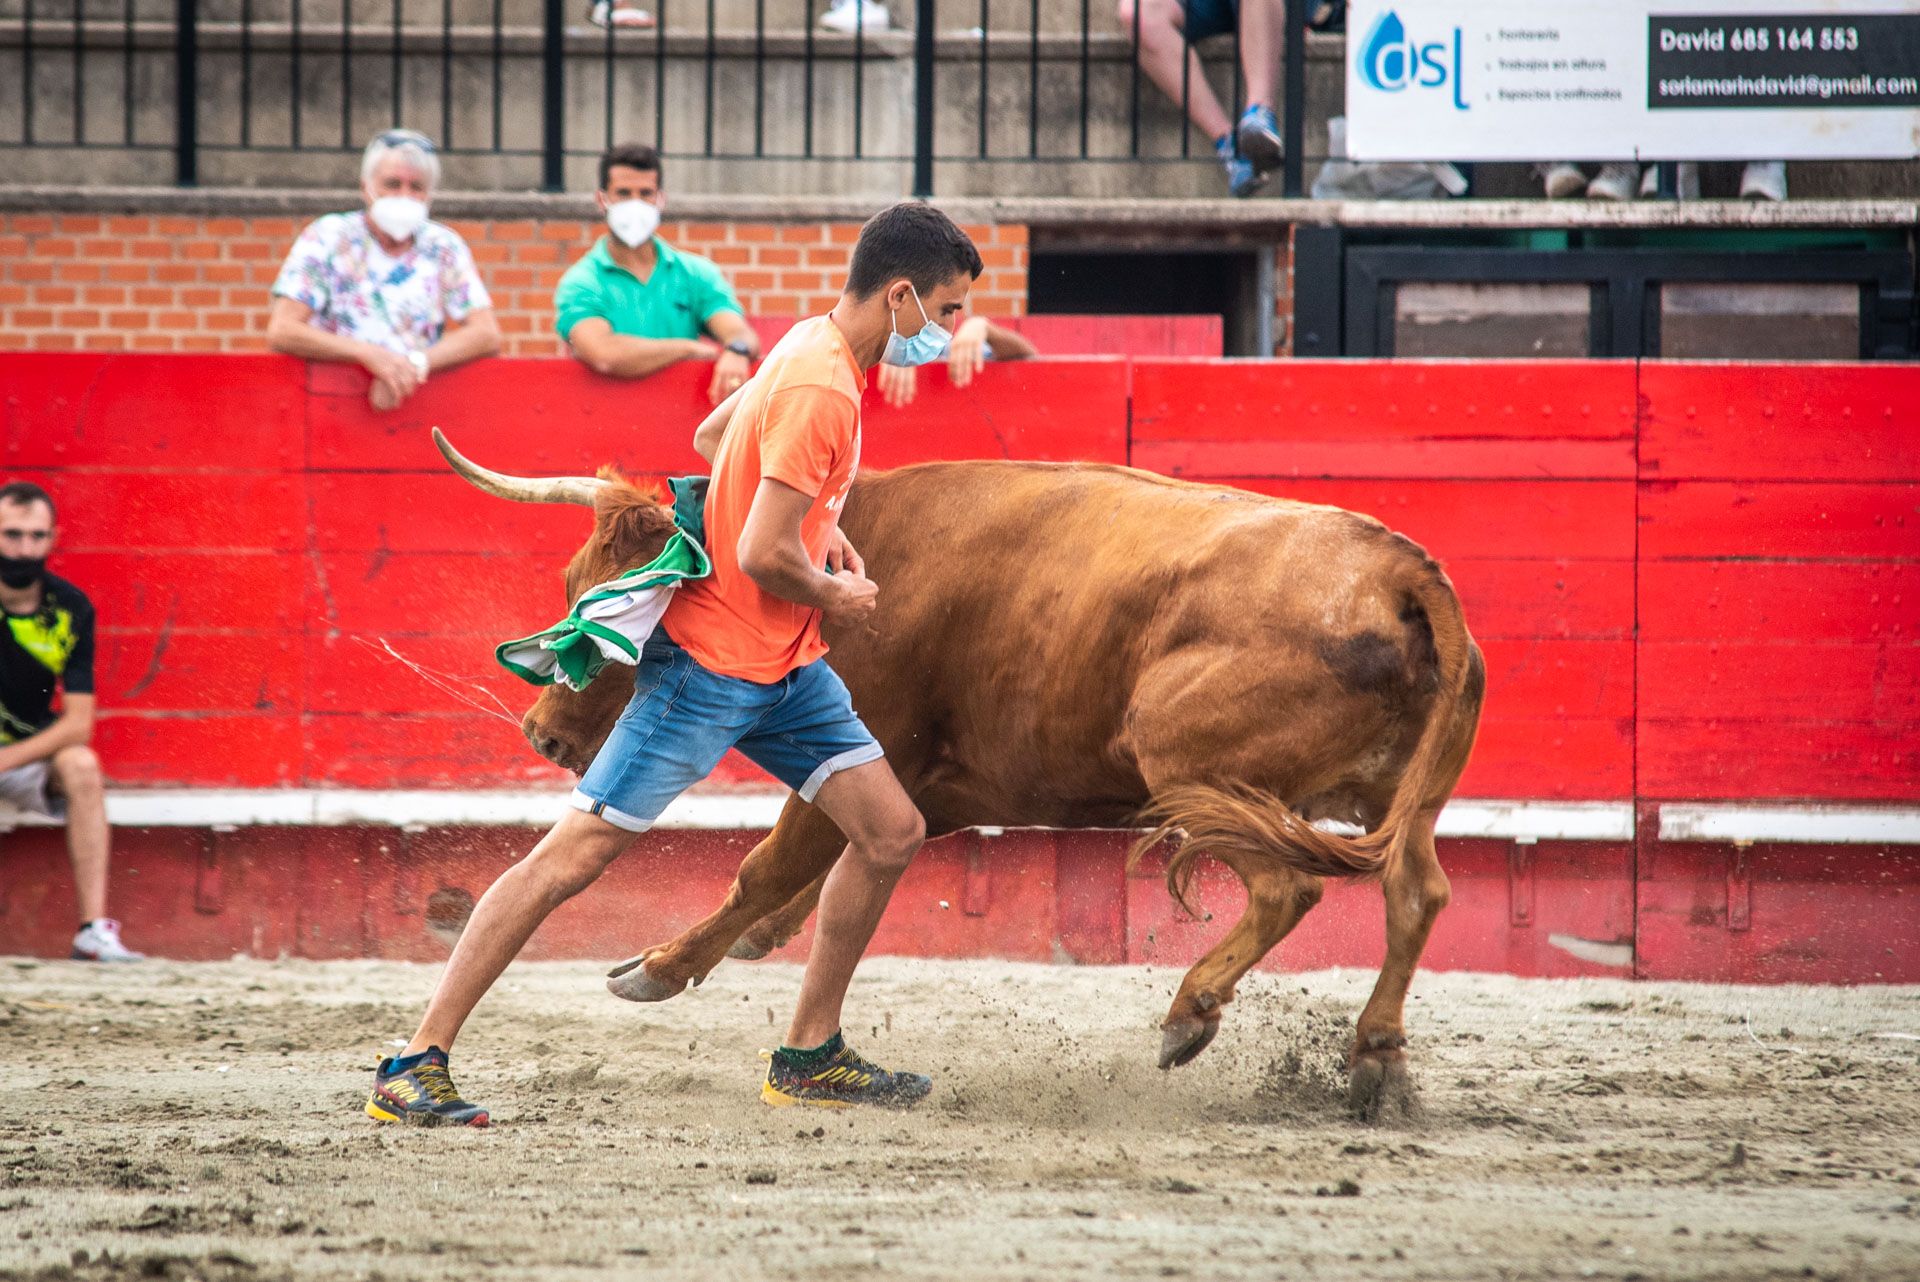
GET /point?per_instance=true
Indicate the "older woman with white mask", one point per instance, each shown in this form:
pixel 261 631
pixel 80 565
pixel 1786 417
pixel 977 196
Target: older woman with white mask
pixel 384 288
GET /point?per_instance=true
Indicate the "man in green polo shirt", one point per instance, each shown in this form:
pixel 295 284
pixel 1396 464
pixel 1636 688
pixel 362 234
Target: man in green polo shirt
pixel 635 305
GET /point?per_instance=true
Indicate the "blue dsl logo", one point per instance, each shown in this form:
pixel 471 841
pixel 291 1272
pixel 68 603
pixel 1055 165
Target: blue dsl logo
pixel 1390 62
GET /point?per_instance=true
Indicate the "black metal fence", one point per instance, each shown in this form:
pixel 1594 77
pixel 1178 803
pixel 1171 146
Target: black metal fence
pixel 530 80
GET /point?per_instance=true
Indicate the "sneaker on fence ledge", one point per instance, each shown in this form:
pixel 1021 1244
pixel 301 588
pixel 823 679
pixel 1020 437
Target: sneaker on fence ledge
pixel 1242 178
pixel 99 940
pixel 603 13
pixel 1258 136
pixel 1562 179
pixel 1686 181
pixel 1764 180
pixel 1617 181
pixel 856 15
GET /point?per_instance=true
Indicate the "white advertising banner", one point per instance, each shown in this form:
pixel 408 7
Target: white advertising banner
pixel 1632 79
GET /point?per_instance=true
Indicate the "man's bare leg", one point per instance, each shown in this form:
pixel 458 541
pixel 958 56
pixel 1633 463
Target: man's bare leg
pixel 883 830
pixel 1262 25
pixel 1163 52
pixel 76 772
pixel 565 862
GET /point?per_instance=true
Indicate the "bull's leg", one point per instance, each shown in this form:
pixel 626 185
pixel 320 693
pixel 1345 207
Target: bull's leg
pixel 799 850
pixel 1416 890
pixel 1277 898
pixel 774 930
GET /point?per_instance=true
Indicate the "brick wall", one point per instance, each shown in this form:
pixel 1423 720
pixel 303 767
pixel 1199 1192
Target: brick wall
pixel 176 283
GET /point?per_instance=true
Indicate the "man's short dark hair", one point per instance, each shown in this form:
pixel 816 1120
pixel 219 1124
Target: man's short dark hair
pixel 26 492
pixel 634 155
pixel 914 240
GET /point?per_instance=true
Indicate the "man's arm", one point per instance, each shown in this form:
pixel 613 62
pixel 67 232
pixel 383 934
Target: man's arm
pixel 706 437
pixel 731 369
pixel 465 340
pixel 1007 344
pixel 289 332
pixel 624 356
pixel 772 555
pixel 73 726
pixel 977 336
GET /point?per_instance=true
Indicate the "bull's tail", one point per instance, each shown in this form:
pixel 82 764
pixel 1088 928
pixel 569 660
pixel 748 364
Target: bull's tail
pixel 1232 817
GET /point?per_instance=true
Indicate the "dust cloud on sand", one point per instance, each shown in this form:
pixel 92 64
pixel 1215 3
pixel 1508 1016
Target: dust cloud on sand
pixel 203 1120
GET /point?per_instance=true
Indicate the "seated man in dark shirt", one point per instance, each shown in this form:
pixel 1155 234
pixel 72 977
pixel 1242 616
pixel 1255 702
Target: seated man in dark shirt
pixel 45 763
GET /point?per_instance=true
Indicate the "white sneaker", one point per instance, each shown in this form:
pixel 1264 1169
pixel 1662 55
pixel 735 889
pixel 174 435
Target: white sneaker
pixel 1686 181
pixel 856 15
pixel 1563 179
pixel 1617 181
pixel 99 940
pixel 1764 180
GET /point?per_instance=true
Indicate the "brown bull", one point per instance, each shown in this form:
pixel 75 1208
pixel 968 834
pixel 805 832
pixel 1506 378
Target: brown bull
pixel 1083 645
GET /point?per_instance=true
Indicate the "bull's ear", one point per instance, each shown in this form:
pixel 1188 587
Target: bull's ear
pixel 580 490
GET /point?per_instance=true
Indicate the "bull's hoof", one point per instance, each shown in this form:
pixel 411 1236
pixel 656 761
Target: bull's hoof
pixel 1380 1088
pixel 1181 1040
pixel 630 981
pixel 744 949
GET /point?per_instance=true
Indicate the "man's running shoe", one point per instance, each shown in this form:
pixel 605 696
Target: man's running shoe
pixel 1259 138
pixel 99 940
pixel 416 1088
pixel 833 1076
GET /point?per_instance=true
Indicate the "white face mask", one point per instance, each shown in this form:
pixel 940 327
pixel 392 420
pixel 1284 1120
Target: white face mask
pixel 398 216
pixel 634 221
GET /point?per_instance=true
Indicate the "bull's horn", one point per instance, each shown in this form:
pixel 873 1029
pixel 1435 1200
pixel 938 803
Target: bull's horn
pixel 521 489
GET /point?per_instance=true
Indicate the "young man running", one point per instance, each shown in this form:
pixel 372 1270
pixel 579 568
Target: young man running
pixel 738 663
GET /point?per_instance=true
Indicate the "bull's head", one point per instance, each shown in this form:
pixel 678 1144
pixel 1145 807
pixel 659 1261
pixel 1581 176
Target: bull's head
pixel 630 527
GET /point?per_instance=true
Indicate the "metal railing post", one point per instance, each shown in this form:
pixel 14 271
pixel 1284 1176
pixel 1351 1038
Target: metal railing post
pixel 186 92
pixel 553 73
pixel 923 32
pixel 1293 118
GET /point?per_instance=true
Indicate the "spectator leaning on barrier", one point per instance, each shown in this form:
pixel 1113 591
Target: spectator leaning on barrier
pixel 384 288
pixel 46 765
pixel 977 341
pixel 635 304
pixel 1167 30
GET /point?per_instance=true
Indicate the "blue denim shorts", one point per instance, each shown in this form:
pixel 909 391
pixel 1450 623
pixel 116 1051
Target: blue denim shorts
pixel 1208 18
pixel 800 729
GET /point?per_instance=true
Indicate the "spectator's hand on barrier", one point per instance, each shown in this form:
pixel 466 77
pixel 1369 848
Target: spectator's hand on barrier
pixel 730 370
pixel 854 598
pixel 394 378
pixel 967 355
pixel 841 556
pixel 897 385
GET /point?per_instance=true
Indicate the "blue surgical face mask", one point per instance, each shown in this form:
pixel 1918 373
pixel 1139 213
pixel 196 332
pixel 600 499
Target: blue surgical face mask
pixel 929 345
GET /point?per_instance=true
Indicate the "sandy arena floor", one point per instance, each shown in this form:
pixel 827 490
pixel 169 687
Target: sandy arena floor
pixel 177 1120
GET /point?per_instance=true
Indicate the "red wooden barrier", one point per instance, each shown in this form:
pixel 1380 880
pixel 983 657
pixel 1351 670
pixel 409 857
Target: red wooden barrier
pixel 1692 583
pixel 1779 529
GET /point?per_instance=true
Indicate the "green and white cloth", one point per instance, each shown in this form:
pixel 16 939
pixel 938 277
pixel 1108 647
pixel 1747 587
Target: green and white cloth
pixel 612 620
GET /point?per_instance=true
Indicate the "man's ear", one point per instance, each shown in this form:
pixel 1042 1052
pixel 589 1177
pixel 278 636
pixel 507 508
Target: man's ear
pixel 600 202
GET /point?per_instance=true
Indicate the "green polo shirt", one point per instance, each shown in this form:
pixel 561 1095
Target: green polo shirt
pixel 675 302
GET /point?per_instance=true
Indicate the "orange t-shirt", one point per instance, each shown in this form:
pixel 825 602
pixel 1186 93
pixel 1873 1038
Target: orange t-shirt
pixel 799 424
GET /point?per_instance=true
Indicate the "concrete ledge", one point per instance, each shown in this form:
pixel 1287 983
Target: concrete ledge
pixel 1800 825
pixel 757 810
pixel 1173 218
pixel 1523 821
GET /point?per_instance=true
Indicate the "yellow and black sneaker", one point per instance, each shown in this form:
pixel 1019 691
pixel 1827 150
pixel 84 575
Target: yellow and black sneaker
pixel 416 1088
pixel 833 1076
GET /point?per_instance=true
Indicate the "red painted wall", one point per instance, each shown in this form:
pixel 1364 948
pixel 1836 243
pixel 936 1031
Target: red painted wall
pixel 1692 582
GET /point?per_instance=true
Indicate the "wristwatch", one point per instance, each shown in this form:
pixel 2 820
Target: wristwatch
pixel 419 362
pixel 741 347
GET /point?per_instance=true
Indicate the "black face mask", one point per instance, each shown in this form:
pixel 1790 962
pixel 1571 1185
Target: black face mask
pixel 22 571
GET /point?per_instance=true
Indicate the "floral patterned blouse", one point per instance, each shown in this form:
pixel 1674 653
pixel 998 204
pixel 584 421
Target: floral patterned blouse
pixel 356 289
